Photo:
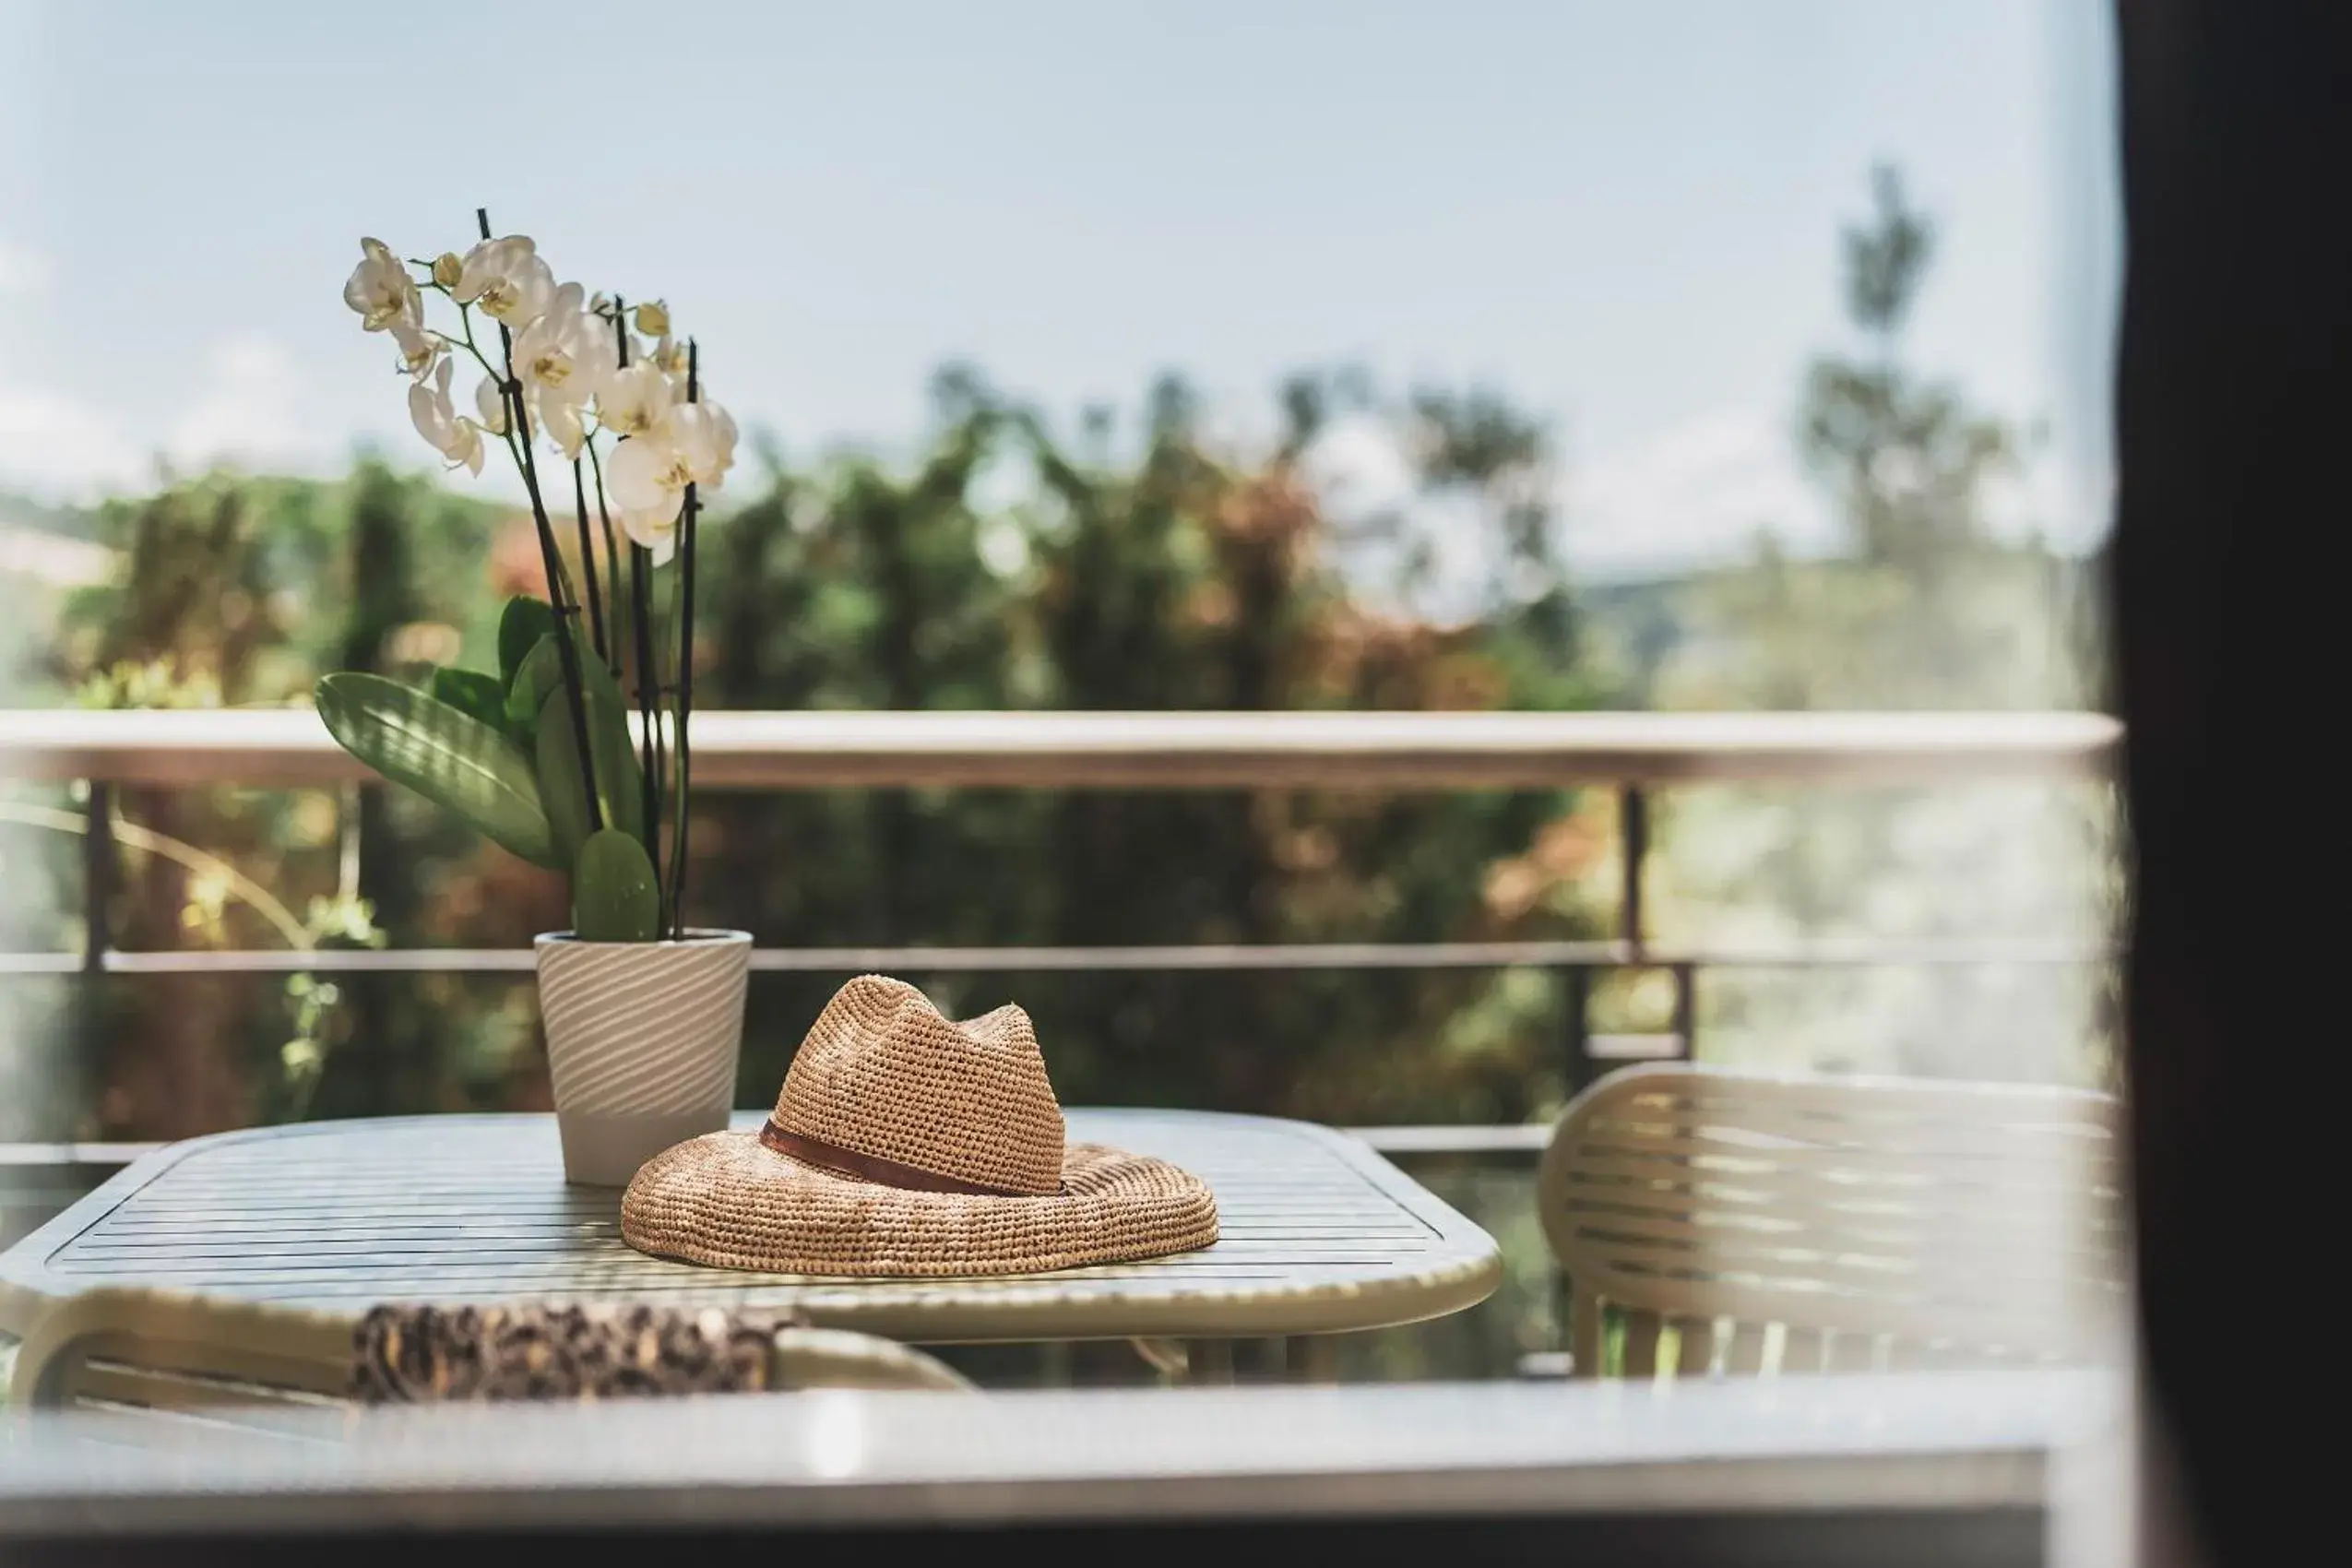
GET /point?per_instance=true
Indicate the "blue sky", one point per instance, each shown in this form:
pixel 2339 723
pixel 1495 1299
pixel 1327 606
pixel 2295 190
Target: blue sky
pixel 1624 215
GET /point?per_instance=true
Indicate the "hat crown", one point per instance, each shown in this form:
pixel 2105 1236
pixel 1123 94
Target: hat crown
pixel 885 1074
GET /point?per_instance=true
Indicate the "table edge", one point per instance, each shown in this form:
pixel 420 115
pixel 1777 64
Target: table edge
pixel 28 1290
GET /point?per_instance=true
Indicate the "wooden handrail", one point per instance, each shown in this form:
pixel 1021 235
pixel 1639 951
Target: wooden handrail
pixel 289 747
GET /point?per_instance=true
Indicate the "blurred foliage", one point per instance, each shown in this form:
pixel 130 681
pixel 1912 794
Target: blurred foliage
pixel 228 591
pixel 1927 607
pixel 1125 564
pixel 1177 577
pixel 1006 567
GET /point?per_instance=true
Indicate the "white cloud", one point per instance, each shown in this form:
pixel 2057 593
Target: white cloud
pixel 1699 494
pixel 24 270
pixel 53 559
pixel 2066 497
pixel 1358 467
pixel 248 410
pixel 1701 491
pixel 53 445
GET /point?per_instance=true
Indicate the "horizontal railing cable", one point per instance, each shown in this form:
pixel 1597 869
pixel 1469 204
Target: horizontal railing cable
pixel 1207 956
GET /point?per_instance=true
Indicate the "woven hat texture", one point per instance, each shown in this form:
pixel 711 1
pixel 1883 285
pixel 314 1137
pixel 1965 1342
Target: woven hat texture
pixel 905 1142
pixel 883 1074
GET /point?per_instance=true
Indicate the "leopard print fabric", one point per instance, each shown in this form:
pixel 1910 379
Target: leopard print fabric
pixel 421 1354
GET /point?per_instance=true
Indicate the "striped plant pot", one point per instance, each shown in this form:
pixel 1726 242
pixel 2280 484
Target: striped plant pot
pixel 641 1040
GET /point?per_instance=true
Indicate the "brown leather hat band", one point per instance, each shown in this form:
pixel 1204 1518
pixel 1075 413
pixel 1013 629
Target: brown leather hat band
pixel 873 1168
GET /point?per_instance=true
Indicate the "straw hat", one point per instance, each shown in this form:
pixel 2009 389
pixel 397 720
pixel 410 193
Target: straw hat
pixel 905 1142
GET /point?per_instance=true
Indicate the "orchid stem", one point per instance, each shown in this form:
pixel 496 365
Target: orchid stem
pixel 612 556
pixel 567 650
pixel 650 749
pixel 588 564
pixel 466 320
pixel 685 671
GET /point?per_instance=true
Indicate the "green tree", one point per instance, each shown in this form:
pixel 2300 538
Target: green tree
pixel 1006 566
pixel 192 619
pixel 1179 576
pixel 1926 605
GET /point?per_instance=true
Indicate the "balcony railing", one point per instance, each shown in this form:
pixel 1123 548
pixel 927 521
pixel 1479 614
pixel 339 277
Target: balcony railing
pixel 1632 751
pixel 287 747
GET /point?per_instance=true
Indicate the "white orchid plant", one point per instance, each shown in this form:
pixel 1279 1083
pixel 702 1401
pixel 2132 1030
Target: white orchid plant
pixel 542 756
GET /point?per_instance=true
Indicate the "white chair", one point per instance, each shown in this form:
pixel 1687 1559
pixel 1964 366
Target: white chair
pixel 161 1353
pixel 1715 1222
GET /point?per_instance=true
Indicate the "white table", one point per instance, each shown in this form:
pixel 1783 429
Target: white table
pixel 1318 1235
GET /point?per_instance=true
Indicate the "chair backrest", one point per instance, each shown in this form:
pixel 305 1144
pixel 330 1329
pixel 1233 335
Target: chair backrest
pixel 1713 1222
pixel 120 1348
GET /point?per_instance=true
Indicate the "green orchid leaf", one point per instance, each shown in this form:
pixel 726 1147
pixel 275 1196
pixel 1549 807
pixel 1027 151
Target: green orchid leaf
pixel 600 680
pixel 443 753
pixel 541 671
pixel 472 693
pixel 619 790
pixel 520 625
pixel 615 895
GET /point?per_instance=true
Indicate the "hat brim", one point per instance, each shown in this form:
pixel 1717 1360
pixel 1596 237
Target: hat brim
pixel 727 1199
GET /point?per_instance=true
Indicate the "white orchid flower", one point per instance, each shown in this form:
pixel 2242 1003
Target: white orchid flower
pixel 704 434
pixel 490 402
pixel 567 355
pixel 669 353
pixel 457 439
pixel 647 480
pixel 381 290
pixel 636 398
pixel 561 423
pixel 563 360
pixel 649 475
pixel 419 350
pixel 508 278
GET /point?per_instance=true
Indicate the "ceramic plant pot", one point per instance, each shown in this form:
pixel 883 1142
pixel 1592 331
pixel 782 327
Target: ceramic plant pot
pixel 642 1039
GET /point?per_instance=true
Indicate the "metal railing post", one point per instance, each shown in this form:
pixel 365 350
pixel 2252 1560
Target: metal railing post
pixel 1633 842
pixel 98 876
pixel 1686 1011
pixel 1576 1024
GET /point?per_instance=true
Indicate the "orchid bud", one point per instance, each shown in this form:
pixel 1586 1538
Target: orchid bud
pixel 653 318
pixel 447 267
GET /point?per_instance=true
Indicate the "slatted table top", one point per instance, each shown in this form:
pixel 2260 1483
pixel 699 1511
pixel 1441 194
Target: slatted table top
pixel 1318 1234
